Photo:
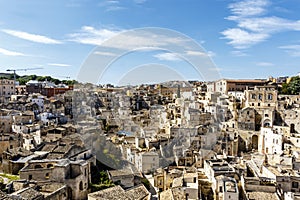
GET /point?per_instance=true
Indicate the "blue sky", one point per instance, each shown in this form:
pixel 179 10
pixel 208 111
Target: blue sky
pixel 244 39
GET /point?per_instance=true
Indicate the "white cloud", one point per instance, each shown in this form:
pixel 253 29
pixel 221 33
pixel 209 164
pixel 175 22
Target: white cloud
pixel 112 2
pixel 130 40
pixel 102 53
pixel 31 37
pixel 269 24
pixel 216 69
pixel 293 50
pixel 10 53
pixel 108 3
pixel 239 53
pixel 200 53
pixel 253 25
pixel 241 39
pixel 92 36
pixel 111 5
pixel 265 64
pixel 196 53
pixel 114 8
pixel 211 54
pixel 248 8
pixel 140 1
pixel 167 56
pixel 58 64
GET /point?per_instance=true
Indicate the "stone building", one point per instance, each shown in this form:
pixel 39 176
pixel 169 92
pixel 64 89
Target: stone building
pixel 247 119
pixel 226 188
pixel 270 141
pixel 223 86
pixel 5 121
pixel 75 174
pixel 8 141
pixel 216 167
pixel 125 178
pixel 147 161
pixel 118 193
pixel 15 159
pixel 261 97
pixel 7 88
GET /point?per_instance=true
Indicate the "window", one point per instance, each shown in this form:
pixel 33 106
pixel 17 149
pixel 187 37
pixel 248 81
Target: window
pixel 253 96
pixel 260 96
pixel 295 184
pixel 270 97
pixel 29 177
pixel 38 166
pixel 47 175
pixel 80 186
pixel 50 166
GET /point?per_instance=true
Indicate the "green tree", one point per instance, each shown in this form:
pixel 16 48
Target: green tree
pixel 284 89
pixel 291 88
pixel 294 85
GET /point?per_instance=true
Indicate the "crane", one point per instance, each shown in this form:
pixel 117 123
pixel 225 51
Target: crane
pixel 67 77
pixel 26 69
pixel 14 70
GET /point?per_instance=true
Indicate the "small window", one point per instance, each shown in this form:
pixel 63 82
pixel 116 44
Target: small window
pixel 50 166
pixel 220 189
pixel 29 177
pixel 38 166
pixel 295 184
pixel 270 97
pixel 80 185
